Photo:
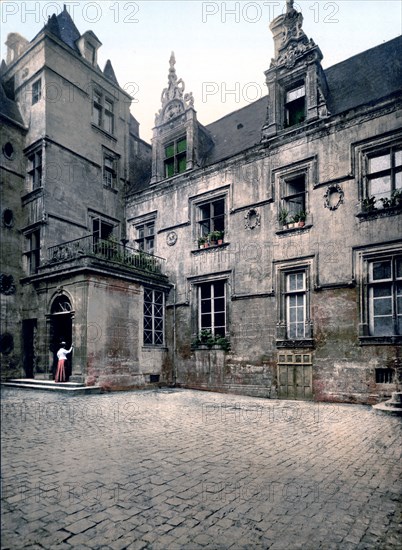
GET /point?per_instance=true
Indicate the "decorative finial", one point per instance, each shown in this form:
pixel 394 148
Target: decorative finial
pixel 289 5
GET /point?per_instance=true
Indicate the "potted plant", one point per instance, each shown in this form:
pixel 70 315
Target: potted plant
pixel 220 235
pixel 296 219
pixel 201 242
pixel 302 218
pixel 368 204
pixel 213 237
pixel 283 217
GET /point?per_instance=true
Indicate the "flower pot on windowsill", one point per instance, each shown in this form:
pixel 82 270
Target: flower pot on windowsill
pixel 301 224
pixel 213 243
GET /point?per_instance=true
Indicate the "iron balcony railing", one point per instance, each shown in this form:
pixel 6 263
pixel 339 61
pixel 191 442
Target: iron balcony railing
pixel 106 250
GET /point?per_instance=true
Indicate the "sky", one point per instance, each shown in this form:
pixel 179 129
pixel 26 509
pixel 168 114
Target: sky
pixel 222 48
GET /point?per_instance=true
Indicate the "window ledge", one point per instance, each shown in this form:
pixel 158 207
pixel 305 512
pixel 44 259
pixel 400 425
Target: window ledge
pixel 287 230
pixel 32 195
pixel 291 344
pixel 102 131
pixel 112 189
pixel 216 246
pixel 154 348
pixel 380 340
pixel 379 213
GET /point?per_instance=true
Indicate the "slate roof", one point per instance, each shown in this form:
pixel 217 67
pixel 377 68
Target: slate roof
pixel 362 79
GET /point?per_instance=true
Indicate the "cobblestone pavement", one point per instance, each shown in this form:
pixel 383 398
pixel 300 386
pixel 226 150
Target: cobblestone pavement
pixel 181 469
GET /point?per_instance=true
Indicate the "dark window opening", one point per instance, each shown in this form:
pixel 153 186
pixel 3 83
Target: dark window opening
pixel 36 91
pixel 8 218
pixel 35 169
pixel 146 237
pixel 294 198
pixel 384 376
pixel 212 217
pixel 33 253
pixel 295 106
pixel 8 151
pixel 101 230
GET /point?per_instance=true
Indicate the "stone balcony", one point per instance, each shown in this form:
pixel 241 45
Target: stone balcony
pixel 107 256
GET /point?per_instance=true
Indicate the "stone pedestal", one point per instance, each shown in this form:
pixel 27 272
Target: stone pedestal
pixel 391 406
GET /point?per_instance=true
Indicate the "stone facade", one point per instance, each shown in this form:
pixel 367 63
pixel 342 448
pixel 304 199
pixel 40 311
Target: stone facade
pixel 280 225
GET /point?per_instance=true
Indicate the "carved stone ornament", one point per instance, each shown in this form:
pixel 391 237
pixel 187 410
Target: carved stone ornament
pixel 174 100
pixel 171 238
pixel 333 196
pixel 253 219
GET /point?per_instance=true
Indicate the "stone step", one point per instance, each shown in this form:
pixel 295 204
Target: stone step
pixel 72 388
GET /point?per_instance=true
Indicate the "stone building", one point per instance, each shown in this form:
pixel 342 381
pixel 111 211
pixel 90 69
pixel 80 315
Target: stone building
pixel 80 282
pixel 280 224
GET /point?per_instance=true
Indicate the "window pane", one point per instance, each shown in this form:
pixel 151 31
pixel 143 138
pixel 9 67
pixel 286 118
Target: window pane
pixel 219 304
pixel 205 306
pixel 383 326
pixel 292 315
pixel 205 211
pixel 295 94
pixel 300 330
pixel 398 158
pixel 382 306
pixel 181 164
pixel 205 291
pixel 381 270
pixel 399 268
pixel 380 187
pixel 300 281
pixel 398 180
pixel 169 167
pixel 376 164
pixel 383 291
pixel 206 321
pixel 219 207
pixel 300 314
pixel 150 229
pixel 296 186
pixel 219 289
pixel 158 298
pixel 219 319
pixel 169 151
pixel 181 145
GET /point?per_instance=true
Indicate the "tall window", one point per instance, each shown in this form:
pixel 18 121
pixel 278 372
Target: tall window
pixel 153 317
pixel 212 307
pixel 295 300
pixel 211 217
pixel 146 237
pixel 295 105
pixel 35 169
pixel 385 297
pixel 36 91
pixel 103 111
pixel 384 173
pixel 175 157
pixel 33 253
pixel 101 230
pixel 109 170
pixel 294 195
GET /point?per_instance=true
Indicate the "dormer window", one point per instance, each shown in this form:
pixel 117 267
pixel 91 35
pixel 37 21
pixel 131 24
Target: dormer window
pixel 295 105
pixel 89 53
pixel 176 157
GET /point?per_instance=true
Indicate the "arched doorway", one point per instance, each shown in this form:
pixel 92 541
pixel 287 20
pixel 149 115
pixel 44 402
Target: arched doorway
pixel 61 330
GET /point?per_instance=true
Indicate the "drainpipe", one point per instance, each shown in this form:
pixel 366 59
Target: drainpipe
pixel 174 335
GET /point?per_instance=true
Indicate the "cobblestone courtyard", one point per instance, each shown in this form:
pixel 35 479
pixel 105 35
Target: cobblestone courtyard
pixel 185 469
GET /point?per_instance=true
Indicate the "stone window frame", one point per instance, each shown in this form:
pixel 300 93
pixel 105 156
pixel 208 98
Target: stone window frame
pixel 110 172
pixel 363 257
pixel 280 176
pixel 35 168
pixel 149 311
pixel 194 285
pixel 361 153
pixel 283 268
pixel 177 155
pixel 146 236
pixel 32 254
pixel 135 225
pixel 36 91
pixel 195 209
pixel 100 112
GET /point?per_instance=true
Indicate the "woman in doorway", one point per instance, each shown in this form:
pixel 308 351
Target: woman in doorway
pixel 62 356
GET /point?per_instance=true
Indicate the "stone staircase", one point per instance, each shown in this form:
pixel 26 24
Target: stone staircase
pixel 70 388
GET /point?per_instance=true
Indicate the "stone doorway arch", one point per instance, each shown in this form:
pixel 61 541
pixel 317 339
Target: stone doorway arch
pixel 61 330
